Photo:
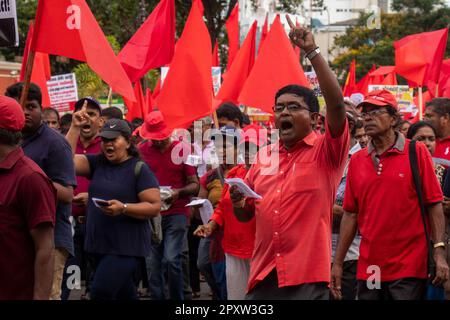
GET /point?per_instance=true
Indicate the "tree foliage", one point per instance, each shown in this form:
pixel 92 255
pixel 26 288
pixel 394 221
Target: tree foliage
pixel 375 46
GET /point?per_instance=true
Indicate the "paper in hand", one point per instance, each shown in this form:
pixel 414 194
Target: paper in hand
pixel 242 187
pixel 196 202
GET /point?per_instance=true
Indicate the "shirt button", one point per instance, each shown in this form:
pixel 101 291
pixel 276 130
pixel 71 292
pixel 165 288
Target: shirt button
pixel 281 171
pixel 276 233
pixel 276 211
pixel 278 191
pixel 84 151
pixel 278 255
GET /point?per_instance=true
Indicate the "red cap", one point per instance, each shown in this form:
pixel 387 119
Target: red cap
pixel 11 114
pixel 154 127
pixel 380 98
pixel 253 134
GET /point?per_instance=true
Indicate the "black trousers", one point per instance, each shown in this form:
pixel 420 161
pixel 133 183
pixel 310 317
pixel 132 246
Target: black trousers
pixel 402 289
pixel 268 290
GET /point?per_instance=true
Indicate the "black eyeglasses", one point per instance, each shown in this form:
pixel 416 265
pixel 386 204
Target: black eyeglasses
pixel 373 113
pixel 291 106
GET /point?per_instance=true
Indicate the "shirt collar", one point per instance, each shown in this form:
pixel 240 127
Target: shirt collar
pixel 35 135
pixel 95 141
pixel 309 140
pixel 11 159
pixel 399 145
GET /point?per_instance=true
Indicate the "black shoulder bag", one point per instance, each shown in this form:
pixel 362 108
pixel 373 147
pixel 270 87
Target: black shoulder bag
pixel 415 172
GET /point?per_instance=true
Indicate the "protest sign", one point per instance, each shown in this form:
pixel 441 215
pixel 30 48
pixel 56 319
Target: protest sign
pixel 63 91
pixel 9 32
pixel 404 96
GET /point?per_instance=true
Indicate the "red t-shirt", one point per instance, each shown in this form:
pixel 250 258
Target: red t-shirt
pixel 27 199
pixel 389 218
pixel 82 182
pixel 294 216
pixel 239 237
pixel 442 149
pixel 170 170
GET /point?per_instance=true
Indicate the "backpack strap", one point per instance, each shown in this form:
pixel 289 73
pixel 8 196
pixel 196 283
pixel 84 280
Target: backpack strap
pixel 138 169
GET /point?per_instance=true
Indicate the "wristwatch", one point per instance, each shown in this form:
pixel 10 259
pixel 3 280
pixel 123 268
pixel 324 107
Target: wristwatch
pixel 125 207
pixel 313 53
pixel 439 245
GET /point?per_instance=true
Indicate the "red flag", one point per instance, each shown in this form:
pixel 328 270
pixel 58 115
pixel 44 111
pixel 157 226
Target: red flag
pixel 187 92
pixel 235 78
pixel 363 85
pixel 264 32
pixel 350 82
pixel 215 56
pixel 41 72
pixel 68 28
pixel 136 109
pixel 390 79
pixel 423 66
pixel 232 26
pixel 152 46
pixel 442 88
pixel 276 67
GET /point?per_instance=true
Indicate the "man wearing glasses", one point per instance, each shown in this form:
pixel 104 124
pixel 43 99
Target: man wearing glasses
pixel 381 202
pixel 292 254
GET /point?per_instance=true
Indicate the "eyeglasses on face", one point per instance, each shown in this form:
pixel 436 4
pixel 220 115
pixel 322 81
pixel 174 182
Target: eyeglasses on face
pixel 291 106
pixel 374 113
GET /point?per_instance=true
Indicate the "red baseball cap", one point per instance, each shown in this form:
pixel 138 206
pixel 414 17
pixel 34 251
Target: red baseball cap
pixel 381 98
pixel 11 114
pixel 154 127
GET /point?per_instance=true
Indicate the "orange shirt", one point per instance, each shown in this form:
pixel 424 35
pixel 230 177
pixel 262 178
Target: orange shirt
pixel 294 216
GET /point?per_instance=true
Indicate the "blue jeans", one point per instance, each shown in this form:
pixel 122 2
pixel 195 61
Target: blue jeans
pixel 205 267
pixel 168 256
pixel 113 278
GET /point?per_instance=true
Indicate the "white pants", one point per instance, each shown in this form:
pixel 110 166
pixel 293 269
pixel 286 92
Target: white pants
pixel 238 272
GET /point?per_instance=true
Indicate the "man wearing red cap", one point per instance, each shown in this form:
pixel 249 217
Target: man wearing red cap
pixel 167 160
pixel 27 215
pixel 381 202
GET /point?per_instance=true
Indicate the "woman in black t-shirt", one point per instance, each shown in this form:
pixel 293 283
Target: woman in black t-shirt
pixel 123 195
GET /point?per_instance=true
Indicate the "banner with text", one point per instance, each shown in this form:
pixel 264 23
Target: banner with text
pixel 63 91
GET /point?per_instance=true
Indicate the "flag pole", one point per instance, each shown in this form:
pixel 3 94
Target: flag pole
pixel 216 119
pixel 27 78
pixel 109 101
pixel 31 55
pixel 420 104
pixel 437 91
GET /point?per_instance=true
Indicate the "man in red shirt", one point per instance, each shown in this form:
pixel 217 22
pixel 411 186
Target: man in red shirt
pixel 167 160
pixel 292 254
pixel 381 202
pixel 438 113
pixel 27 215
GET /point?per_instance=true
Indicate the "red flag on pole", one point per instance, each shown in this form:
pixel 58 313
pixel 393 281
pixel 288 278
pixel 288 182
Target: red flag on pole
pixel 362 86
pixel 136 109
pixel 188 91
pixel 68 28
pixel 232 26
pixel 275 67
pixel 152 46
pixel 41 68
pixel 350 82
pixel 235 78
pixel 423 66
pixel 215 57
pixel 264 32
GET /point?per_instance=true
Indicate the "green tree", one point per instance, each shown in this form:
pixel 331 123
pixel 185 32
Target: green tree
pixel 375 46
